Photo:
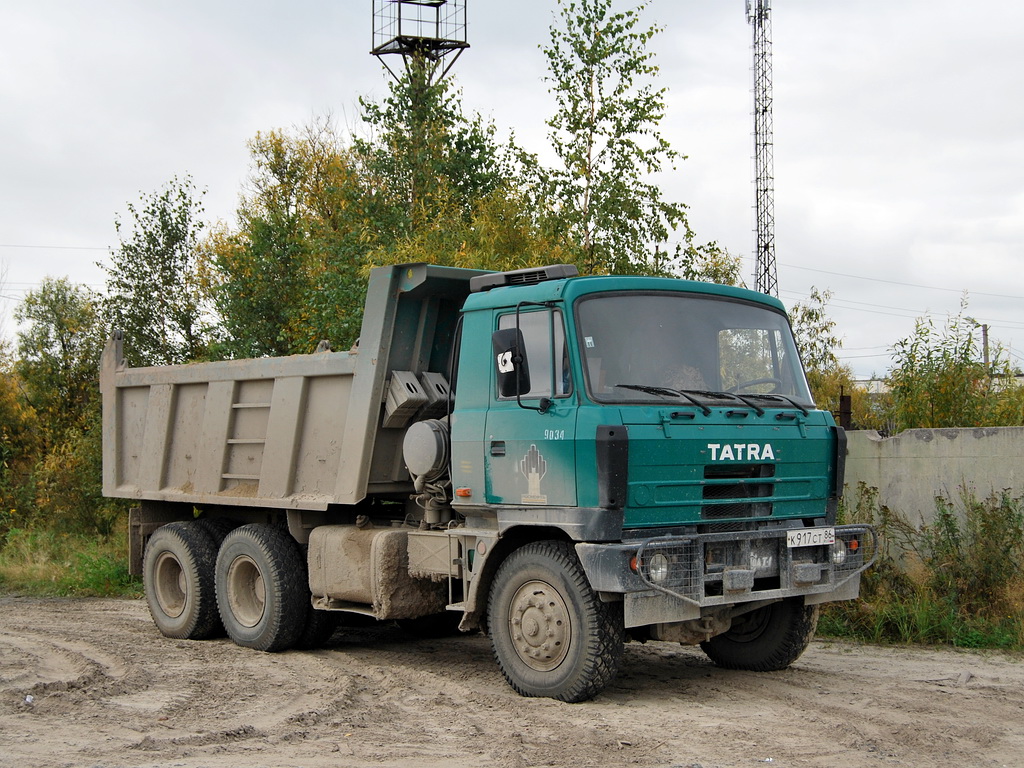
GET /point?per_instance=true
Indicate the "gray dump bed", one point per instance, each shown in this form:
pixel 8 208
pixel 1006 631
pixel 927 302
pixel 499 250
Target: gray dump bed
pixel 300 432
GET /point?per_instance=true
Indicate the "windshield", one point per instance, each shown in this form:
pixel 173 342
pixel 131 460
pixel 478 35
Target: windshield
pixel 650 347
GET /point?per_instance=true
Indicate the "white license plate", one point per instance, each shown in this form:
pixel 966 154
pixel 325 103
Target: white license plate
pixel 810 537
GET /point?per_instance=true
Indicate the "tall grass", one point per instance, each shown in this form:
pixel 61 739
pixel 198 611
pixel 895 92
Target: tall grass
pixel 958 580
pixel 43 562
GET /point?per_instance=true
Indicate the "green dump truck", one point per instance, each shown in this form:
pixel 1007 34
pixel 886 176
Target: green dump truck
pixel 565 462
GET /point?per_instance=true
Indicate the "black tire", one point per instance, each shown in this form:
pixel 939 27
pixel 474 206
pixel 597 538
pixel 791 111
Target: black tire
pixel 178 577
pixel 261 588
pixel 552 636
pixel 217 527
pixel 766 639
pixel 320 627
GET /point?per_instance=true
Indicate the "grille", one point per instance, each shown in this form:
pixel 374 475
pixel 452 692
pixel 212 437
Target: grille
pixel 730 483
pixel 858 556
pixel 685 566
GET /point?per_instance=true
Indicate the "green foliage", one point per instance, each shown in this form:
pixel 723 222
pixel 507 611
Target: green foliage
pixel 38 561
pixel 20 443
pixel 605 136
pixel 815 332
pixel 829 380
pixel 459 206
pixel 939 379
pixel 430 156
pixel 709 263
pixel 956 581
pixel 292 272
pixel 69 482
pixel 58 354
pixel 153 290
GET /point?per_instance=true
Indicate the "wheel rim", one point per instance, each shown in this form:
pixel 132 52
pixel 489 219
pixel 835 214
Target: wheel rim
pixel 247 595
pixel 170 585
pixel 539 626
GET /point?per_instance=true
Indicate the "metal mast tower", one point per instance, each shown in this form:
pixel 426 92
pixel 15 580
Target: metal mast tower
pixel 765 276
pixel 420 30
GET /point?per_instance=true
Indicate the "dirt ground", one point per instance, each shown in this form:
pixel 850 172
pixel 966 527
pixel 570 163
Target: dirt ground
pixel 92 683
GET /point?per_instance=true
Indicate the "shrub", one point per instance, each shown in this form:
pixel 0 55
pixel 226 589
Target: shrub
pixel 958 580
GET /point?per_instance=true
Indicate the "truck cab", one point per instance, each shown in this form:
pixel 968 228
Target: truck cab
pixel 663 431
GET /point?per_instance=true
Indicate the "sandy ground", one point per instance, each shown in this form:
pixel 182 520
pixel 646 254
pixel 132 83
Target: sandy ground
pixel 92 683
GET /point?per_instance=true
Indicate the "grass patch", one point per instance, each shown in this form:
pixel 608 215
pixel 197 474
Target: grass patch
pixel 958 580
pixel 44 563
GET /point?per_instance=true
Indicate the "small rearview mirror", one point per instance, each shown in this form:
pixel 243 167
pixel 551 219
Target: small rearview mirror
pixel 510 360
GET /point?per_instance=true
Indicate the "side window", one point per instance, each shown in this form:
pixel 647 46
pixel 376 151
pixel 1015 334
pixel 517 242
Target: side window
pixel 544 334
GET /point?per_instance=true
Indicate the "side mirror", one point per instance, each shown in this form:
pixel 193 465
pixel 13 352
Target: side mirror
pixel 510 359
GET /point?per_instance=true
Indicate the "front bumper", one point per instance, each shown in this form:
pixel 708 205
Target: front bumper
pixel 711 569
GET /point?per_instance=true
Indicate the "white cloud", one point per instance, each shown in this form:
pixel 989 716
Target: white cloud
pixel 898 130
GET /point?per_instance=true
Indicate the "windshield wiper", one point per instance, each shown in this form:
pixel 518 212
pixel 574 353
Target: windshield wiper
pixel 795 403
pixel 666 392
pixel 749 403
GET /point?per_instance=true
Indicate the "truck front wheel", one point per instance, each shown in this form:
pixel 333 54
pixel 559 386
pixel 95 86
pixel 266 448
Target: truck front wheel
pixel 177 573
pixel 552 635
pixel 261 588
pixel 766 639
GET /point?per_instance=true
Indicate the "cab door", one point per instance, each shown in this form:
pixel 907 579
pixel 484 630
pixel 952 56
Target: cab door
pixel 530 453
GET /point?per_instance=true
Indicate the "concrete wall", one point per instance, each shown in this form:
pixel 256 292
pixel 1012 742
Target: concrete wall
pixel 912 468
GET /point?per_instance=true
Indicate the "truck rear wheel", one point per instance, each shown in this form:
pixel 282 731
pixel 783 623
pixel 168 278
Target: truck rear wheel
pixel 261 588
pixel 552 635
pixel 177 574
pixel 766 639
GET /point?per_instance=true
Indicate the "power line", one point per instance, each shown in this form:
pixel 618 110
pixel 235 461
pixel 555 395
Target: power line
pixel 59 247
pixel 905 285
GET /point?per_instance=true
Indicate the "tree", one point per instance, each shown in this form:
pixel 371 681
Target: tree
pixel 828 378
pixel 423 147
pixel 292 272
pixel 153 291
pixel 709 263
pixel 815 332
pixel 58 353
pixel 605 137
pixel 939 379
pixel 426 185
pixel 19 444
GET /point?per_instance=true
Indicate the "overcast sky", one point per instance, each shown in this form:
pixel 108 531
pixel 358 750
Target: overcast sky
pixel 899 132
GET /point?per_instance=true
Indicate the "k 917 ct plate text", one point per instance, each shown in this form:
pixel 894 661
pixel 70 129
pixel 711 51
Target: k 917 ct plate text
pixel 810 537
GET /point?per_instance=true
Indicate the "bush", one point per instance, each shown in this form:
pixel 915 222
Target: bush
pixel 956 581
pixel 44 562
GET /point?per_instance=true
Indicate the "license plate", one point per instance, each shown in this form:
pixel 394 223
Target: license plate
pixel 810 537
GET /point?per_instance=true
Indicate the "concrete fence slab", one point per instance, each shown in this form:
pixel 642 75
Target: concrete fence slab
pixel 912 468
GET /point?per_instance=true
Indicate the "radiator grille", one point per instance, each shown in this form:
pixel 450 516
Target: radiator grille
pixel 733 485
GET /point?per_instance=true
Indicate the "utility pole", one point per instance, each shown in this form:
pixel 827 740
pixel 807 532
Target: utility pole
pixel 765 275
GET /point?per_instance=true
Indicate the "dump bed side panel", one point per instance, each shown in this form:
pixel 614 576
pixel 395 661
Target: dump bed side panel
pixel 263 432
pixel 299 432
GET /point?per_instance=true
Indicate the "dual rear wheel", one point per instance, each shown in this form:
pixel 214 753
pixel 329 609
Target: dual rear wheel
pixel 204 578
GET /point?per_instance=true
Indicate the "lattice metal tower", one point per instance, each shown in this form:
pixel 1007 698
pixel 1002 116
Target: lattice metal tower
pixel 765 276
pixel 430 30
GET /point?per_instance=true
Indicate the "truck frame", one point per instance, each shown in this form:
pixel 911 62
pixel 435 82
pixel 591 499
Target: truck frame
pixel 565 462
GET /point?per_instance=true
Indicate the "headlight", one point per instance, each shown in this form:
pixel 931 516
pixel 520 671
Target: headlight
pixel 657 567
pixel 839 552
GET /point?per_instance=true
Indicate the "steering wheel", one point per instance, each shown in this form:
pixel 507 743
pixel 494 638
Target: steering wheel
pixel 755 382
